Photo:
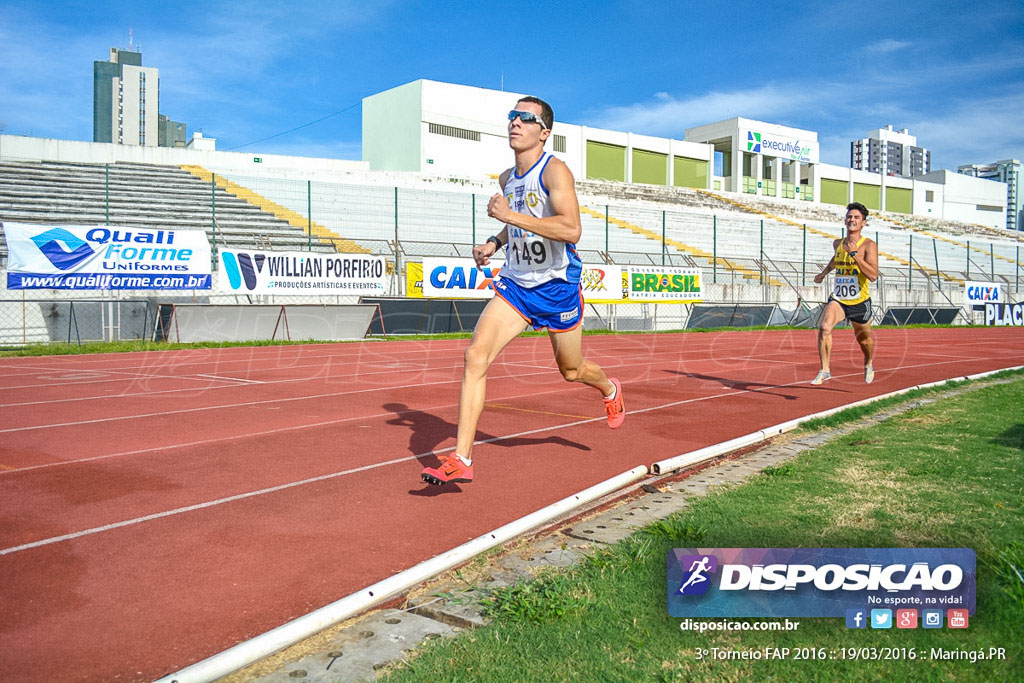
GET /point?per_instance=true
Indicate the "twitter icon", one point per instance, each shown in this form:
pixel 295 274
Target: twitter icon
pixel 881 618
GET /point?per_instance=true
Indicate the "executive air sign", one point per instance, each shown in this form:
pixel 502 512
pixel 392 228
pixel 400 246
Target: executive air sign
pixel 104 257
pixel 769 144
pixel 816 582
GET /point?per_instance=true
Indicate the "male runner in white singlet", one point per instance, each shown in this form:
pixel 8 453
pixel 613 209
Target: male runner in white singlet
pixel 539 285
pixel 856 264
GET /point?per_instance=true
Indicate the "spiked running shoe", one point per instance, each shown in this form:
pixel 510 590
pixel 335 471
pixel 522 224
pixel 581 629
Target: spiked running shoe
pixel 615 407
pixel 451 470
pixel 869 374
pixel 821 377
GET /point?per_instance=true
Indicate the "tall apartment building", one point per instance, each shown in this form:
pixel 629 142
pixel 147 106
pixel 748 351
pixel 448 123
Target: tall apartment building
pixel 1006 171
pixel 126 101
pixel 892 152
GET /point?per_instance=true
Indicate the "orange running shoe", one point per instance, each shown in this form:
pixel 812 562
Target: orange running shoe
pixel 452 469
pixel 615 407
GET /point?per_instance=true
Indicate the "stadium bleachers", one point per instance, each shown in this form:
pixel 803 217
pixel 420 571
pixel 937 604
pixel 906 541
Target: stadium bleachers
pixel 138 195
pixel 416 216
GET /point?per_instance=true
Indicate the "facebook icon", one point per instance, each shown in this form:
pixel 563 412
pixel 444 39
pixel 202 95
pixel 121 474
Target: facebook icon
pixel 856 618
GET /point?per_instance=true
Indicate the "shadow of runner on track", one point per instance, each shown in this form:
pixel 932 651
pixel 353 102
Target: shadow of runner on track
pixel 429 431
pixel 742 385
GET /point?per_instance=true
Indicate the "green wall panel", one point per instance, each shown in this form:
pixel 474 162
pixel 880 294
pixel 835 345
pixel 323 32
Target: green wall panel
pixel 898 200
pixel 650 167
pixel 689 172
pixel 834 191
pixel 606 161
pixel 868 195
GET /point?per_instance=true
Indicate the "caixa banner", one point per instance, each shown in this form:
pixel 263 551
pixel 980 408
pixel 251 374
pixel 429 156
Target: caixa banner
pixel 816 582
pixel 105 257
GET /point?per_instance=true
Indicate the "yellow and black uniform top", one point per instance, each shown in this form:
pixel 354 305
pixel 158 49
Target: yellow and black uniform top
pixel 851 285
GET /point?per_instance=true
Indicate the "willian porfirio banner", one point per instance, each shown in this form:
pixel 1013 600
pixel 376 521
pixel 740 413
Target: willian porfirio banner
pixel 817 582
pixel 301 272
pixel 460 278
pixel 103 257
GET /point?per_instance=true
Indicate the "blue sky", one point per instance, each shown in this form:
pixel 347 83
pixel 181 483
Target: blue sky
pixel 951 72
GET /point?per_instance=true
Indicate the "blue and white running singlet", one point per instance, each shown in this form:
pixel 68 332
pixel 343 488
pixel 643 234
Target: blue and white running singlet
pixel 532 260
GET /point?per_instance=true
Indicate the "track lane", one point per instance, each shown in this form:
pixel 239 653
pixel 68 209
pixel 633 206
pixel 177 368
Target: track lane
pixel 184 586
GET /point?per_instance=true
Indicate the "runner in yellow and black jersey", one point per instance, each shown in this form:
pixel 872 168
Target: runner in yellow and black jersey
pixel 856 264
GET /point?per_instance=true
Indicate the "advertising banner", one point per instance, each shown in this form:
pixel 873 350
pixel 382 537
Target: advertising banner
pixel 459 278
pixel 782 146
pixel 818 582
pixel 103 257
pixel 1004 314
pixel 602 284
pixel 661 284
pixel 981 293
pixel 301 272
pixel 414 280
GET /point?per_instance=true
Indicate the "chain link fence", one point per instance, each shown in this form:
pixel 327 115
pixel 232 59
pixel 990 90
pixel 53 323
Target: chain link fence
pixel 745 259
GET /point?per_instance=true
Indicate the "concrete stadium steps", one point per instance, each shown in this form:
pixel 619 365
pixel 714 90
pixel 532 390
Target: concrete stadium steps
pixel 618 191
pixel 139 195
pixel 698 255
pixel 367 213
pixel 883 255
pixel 281 213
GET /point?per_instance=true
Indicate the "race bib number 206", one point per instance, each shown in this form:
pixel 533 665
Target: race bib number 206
pixel 846 287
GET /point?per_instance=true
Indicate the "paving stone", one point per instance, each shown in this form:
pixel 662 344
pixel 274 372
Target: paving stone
pixel 356 653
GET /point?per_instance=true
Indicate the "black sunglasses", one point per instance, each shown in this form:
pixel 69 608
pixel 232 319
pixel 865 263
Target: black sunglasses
pixel 525 117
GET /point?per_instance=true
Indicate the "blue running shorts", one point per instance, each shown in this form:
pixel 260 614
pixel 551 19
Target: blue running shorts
pixel 556 305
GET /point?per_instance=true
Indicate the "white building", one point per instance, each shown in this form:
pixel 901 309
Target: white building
pixel 445 129
pixel 1005 171
pixel 890 152
pixel 762 158
pixel 452 130
pixel 125 100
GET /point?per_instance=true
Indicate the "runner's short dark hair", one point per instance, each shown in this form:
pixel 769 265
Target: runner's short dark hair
pixel 857 206
pixel 547 116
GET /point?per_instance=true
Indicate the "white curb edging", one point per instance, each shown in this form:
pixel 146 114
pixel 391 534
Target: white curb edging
pixel 263 645
pixel 693 457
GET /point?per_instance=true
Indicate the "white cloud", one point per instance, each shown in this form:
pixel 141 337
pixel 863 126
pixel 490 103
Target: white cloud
pixel 979 131
pixel 886 46
pixel 668 116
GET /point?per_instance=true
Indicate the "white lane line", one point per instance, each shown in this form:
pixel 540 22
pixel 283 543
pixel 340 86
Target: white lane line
pixel 324 423
pixel 358 374
pixel 265 491
pixel 312 397
pixel 233 379
pixel 355 470
pixel 198 506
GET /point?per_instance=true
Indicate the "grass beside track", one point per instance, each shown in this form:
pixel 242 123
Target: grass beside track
pixel 946 474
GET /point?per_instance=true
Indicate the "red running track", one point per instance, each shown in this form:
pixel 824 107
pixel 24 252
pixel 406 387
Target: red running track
pixel 158 508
